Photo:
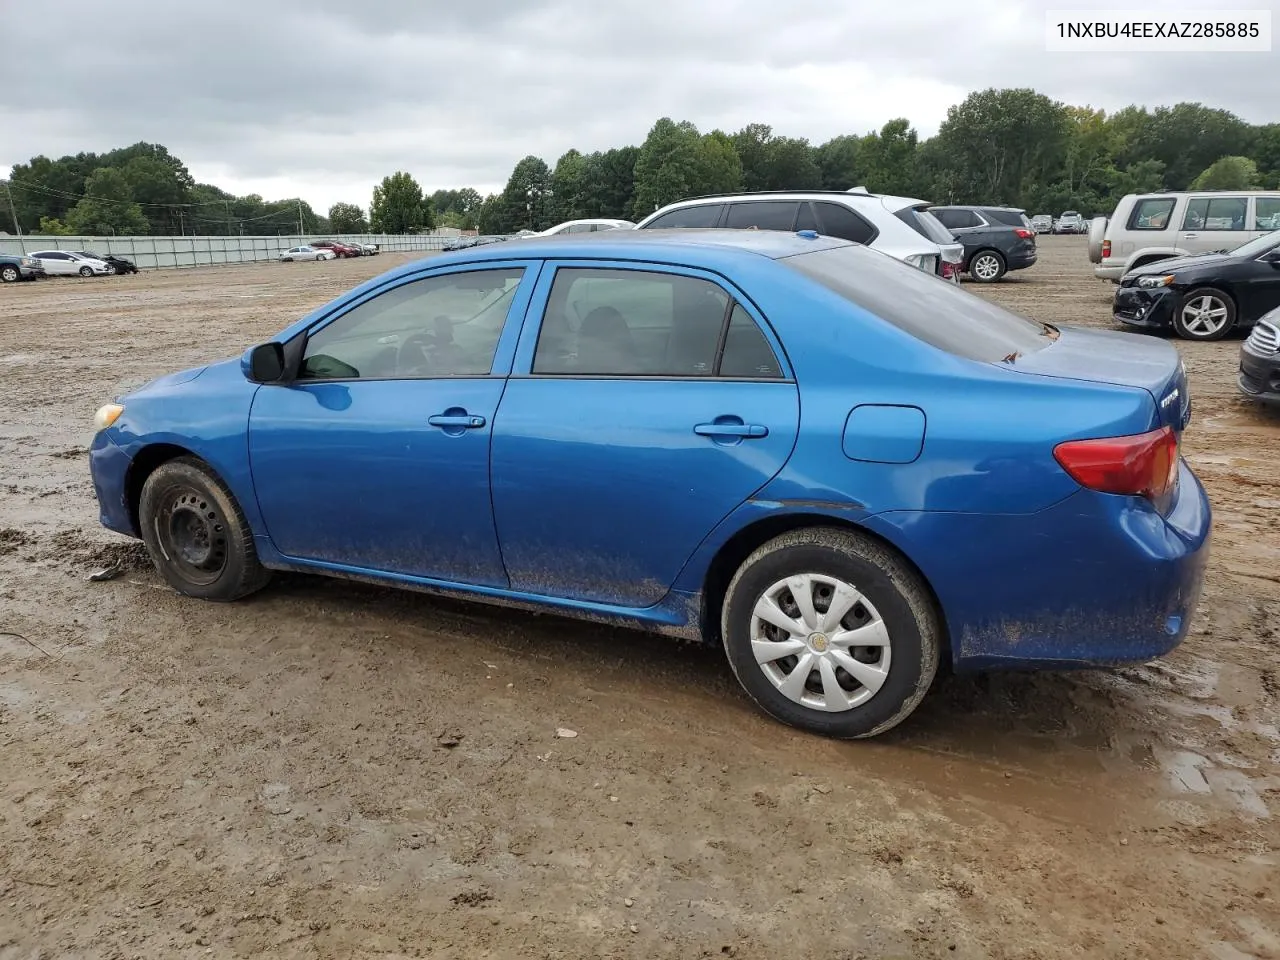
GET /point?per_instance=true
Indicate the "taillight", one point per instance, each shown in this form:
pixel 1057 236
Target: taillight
pixel 1143 465
pixel 1024 234
pixel 1106 249
pixel 949 269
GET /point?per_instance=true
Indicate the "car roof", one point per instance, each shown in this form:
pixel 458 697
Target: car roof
pixel 889 201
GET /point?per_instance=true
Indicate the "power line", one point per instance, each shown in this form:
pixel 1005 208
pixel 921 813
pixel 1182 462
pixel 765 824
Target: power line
pixel 51 192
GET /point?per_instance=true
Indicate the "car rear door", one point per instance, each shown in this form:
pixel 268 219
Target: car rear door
pixel 647 401
pixel 1215 222
pixel 55 263
pixel 377 457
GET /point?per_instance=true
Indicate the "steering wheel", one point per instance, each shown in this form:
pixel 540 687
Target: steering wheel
pixel 412 358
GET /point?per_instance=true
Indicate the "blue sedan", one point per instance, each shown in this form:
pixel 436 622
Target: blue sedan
pixel 841 468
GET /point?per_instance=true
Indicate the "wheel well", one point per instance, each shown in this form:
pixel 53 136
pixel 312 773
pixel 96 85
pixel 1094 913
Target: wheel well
pixel 143 465
pixel 742 544
pixel 1143 261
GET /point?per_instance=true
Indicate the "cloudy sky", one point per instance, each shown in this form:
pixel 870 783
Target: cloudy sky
pixel 321 98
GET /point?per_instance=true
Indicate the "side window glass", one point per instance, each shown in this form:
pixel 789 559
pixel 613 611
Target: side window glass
pixel 762 215
pixel 840 221
pixel 1225 213
pixel 445 326
pixel 806 220
pixel 1153 213
pixel 746 352
pixel 948 217
pixel 630 323
pixel 1266 213
pixel 703 215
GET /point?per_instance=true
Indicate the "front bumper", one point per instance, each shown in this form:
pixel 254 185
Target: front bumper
pixel 1259 377
pixel 109 467
pixel 1150 308
pixel 31 273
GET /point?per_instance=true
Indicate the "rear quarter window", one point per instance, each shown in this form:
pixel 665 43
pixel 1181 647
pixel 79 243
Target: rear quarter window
pixel 927 307
pixel 1010 218
pixel 1154 213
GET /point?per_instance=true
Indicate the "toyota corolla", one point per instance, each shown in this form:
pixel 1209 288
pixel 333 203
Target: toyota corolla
pixel 842 469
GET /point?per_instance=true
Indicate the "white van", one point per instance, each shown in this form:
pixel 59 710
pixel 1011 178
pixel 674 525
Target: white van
pixel 1154 226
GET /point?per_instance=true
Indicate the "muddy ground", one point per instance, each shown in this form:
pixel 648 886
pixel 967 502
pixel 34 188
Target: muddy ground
pixel 336 770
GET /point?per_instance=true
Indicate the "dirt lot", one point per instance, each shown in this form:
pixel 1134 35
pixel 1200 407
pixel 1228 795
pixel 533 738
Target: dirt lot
pixel 337 770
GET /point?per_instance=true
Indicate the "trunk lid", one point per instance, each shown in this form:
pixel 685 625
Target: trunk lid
pixel 1104 356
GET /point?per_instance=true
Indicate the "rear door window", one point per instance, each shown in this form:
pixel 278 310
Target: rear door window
pixel 1152 213
pixel 927 308
pixel 1215 213
pixel 701 215
pixel 763 215
pixel 839 221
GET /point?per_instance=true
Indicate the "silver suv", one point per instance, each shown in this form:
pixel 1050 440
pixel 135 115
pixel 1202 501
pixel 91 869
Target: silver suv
pixel 898 226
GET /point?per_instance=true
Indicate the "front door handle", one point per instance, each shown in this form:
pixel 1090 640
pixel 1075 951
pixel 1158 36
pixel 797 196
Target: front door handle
pixel 453 419
pixel 1191 236
pixel 740 430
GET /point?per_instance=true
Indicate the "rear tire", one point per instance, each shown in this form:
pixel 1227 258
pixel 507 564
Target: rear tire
pixel 856 677
pixel 1204 314
pixel 197 534
pixel 987 266
pixel 9 274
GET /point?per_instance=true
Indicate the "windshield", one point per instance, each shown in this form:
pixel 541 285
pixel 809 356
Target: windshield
pixel 926 224
pixel 925 306
pixel 1258 246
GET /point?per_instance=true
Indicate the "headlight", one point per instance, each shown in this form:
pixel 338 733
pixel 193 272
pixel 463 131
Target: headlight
pixel 28 262
pixel 107 415
pixel 1149 282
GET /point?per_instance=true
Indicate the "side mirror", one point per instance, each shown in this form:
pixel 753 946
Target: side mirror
pixel 264 363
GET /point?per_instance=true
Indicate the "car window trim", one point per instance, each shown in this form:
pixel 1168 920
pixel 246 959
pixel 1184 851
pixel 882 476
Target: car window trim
pixel 535 313
pixel 499 367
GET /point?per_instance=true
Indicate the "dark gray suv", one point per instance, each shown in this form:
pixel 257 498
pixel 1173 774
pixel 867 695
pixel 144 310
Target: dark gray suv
pixel 996 239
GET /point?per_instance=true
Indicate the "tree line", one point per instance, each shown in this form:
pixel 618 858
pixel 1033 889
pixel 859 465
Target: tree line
pixel 1012 147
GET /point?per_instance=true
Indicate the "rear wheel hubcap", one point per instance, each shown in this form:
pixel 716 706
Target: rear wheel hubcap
pixel 820 642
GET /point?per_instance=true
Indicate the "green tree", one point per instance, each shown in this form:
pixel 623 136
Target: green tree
pixel 1187 138
pixel 397 206
pixel 610 182
pixel 527 199
pixel 347 218
pixel 107 207
pixel 1266 154
pixel 775 163
pixel 677 162
pixel 492 217
pixel 1228 173
pixel 568 186
pixel 837 161
pixel 52 227
pixel 888 159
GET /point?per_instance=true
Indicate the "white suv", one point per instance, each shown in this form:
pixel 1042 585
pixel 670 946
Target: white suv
pixel 1155 226
pixel 898 226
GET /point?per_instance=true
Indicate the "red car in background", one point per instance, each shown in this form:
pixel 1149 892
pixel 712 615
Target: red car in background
pixel 341 249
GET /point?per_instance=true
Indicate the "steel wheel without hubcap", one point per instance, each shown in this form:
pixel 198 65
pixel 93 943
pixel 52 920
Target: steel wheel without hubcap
pixel 192 535
pixel 1205 315
pixel 986 268
pixel 820 642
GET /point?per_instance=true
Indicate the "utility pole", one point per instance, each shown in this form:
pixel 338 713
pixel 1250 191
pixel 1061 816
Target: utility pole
pixel 300 230
pixel 13 210
pixel 227 204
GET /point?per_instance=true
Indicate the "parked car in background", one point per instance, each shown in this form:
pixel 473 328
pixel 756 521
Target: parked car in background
pixel 1260 360
pixel 995 239
pixel 19 266
pixel 339 249
pixel 66 263
pixel 1207 296
pixel 361 249
pixel 117 264
pixel 1069 222
pixel 1042 223
pixel 611 427
pixel 306 252
pixel 1158 226
pixel 901 227
pixel 582 226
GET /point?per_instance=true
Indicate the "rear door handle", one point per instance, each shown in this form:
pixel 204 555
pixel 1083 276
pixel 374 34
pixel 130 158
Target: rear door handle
pixel 744 431
pixel 467 421
pixel 1191 236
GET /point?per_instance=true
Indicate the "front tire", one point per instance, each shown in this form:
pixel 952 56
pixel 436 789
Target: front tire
pixel 1204 314
pixel 831 631
pixel 196 533
pixel 86 271
pixel 9 274
pixel 987 266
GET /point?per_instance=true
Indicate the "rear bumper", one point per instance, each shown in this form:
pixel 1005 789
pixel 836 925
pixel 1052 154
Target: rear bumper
pixel 1021 259
pixel 1109 271
pixel 1144 308
pixel 1096 580
pixel 109 467
pixel 1259 377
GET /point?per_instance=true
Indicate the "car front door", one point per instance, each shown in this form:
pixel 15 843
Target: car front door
pixel 646 403
pixel 1214 223
pixel 377 456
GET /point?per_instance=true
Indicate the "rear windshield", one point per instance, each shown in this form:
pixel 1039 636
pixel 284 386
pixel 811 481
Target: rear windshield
pixel 927 307
pixel 926 224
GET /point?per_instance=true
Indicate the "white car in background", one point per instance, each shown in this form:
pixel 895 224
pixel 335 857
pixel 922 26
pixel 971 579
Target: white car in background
pixel 1069 222
pixel 900 227
pixel 67 264
pixel 581 226
pixel 307 253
